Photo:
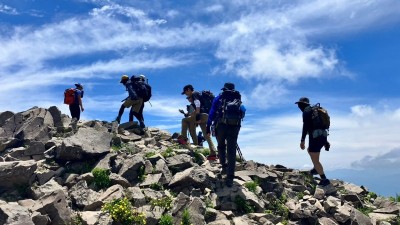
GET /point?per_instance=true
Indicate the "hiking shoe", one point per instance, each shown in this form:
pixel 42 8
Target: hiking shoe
pixel 313 171
pixel 212 157
pixel 324 182
pixel 142 125
pixel 327 146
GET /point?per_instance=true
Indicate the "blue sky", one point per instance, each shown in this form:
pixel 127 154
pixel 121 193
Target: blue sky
pixel 343 54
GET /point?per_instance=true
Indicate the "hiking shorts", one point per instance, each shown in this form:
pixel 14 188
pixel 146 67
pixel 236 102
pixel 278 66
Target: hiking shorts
pixel 316 144
pixel 135 104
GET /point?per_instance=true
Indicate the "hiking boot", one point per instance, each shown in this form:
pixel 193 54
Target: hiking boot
pixel 327 146
pixel 142 125
pixel 313 171
pixel 324 182
pixel 118 119
pixel 212 157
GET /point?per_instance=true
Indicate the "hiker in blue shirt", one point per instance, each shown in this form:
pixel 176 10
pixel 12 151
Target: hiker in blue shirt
pixel 76 107
pixel 227 127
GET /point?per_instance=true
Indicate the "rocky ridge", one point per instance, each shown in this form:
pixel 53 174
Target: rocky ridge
pixel 99 173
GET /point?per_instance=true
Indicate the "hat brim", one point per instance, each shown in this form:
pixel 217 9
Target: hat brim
pixel 302 102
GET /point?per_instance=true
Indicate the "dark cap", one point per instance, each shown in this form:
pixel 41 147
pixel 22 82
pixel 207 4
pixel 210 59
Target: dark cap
pixel 304 100
pixel 228 86
pixel 187 87
pixel 79 85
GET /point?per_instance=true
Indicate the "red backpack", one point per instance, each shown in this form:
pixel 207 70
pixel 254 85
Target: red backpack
pixel 69 96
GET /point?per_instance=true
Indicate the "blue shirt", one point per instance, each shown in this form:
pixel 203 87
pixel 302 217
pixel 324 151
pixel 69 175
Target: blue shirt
pixel 77 93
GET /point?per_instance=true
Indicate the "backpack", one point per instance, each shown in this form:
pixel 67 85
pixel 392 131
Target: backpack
pixel 69 96
pixel 230 111
pixel 142 88
pixel 320 117
pixel 206 100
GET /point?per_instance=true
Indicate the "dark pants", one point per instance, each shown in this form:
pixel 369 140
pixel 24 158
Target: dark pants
pixel 227 136
pixel 75 111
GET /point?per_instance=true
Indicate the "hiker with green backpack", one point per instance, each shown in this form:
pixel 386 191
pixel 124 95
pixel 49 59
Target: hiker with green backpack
pixel 315 124
pixel 198 117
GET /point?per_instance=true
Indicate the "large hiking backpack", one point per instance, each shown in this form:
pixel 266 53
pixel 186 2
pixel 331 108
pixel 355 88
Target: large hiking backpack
pixel 142 88
pixel 206 100
pixel 69 96
pixel 231 112
pixel 320 117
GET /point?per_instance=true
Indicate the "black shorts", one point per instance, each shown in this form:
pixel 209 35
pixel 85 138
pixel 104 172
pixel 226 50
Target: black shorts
pixel 315 144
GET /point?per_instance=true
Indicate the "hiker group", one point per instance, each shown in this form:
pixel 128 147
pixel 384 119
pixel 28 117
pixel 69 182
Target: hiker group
pixel 220 116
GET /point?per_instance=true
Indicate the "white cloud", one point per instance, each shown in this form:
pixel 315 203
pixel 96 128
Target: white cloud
pixel 214 8
pixel 8 10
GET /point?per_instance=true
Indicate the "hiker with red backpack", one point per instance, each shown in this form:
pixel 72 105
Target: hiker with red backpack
pixel 316 128
pixel 226 115
pixel 73 98
pixel 198 117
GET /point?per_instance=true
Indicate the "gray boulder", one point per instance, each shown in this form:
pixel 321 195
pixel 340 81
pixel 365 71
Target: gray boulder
pixel 18 173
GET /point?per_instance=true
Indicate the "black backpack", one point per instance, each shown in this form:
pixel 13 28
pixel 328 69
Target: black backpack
pixel 230 108
pixel 320 117
pixel 206 100
pixel 143 89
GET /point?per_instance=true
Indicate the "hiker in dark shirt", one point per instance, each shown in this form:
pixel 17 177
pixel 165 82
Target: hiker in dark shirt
pixel 317 138
pixel 133 101
pixel 226 134
pixel 76 107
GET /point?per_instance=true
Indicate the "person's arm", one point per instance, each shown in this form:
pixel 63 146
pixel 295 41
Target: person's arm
pixel 211 115
pixel 304 131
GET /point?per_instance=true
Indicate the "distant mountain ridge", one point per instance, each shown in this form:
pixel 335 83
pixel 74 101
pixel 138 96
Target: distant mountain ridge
pixel 56 172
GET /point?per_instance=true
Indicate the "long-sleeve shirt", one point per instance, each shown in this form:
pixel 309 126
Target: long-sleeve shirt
pixel 307 123
pixel 214 110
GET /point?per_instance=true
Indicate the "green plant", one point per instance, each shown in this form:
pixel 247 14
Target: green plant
pixel 76 220
pixel 205 152
pixel 186 217
pixel 116 147
pixel 164 202
pixel 149 154
pixel 166 219
pixel 197 157
pixel 300 195
pixel 168 152
pixel 365 210
pixel 101 178
pixel 370 196
pixel 252 185
pixel 156 186
pixel 209 203
pixel 243 206
pixel 277 207
pixel 121 211
pixel 141 175
pixel 395 199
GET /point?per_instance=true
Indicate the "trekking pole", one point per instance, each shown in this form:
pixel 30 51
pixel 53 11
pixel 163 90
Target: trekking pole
pixel 240 152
